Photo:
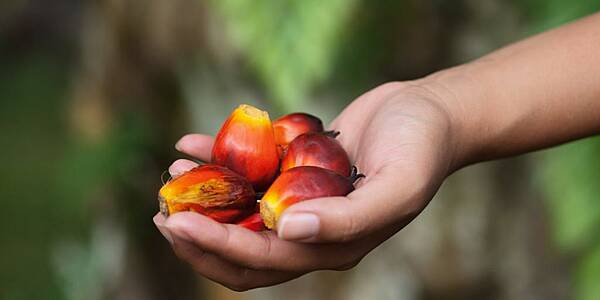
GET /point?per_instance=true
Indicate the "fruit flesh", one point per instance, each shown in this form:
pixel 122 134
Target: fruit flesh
pixel 319 150
pixel 211 190
pixel 300 184
pixel 246 145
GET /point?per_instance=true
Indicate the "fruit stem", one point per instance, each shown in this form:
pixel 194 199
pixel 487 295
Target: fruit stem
pixel 331 133
pixel 355 176
pixel 162 177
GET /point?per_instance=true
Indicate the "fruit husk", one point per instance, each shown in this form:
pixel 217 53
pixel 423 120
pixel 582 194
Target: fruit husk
pixel 319 150
pixel 288 127
pixel 300 184
pixel 246 144
pixel 253 222
pixel 211 190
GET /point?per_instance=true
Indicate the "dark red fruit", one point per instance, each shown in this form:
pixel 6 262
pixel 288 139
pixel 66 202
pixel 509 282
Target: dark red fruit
pixel 300 184
pixel 253 222
pixel 319 150
pixel 288 127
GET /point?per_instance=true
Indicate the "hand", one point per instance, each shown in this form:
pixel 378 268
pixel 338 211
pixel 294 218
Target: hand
pixel 400 135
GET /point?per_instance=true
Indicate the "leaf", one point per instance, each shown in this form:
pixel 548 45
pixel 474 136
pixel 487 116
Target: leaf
pixel 587 276
pixel 289 44
pixel 571 180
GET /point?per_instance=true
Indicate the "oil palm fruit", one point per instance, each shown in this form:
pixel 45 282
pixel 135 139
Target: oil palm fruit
pixel 288 127
pixel 211 190
pixel 300 184
pixel 319 150
pixel 246 145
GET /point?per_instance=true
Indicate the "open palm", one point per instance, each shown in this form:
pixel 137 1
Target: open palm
pixel 399 135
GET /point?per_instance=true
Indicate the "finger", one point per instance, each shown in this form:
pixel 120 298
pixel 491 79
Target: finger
pixel 224 272
pixel 196 145
pixel 260 251
pixel 159 221
pixel 181 166
pixel 383 200
pixel 217 269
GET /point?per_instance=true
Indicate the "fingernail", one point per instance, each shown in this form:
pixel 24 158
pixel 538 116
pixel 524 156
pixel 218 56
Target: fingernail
pixel 159 221
pixel 176 231
pixel 298 226
pixel 174 172
pixel 166 233
pixel 177 146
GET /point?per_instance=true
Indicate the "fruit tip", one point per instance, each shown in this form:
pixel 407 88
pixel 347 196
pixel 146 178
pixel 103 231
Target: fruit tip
pixel 162 204
pixel 253 112
pixel 267 215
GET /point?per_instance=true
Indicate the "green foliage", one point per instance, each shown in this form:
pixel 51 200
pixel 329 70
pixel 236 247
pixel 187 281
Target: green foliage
pixel 290 44
pixel 571 177
pixel 50 180
pixel 88 167
pixel 546 14
pixel 587 285
pixel 31 92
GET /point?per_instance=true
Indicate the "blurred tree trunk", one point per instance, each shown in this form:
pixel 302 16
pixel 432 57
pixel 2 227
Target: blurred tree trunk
pixel 128 82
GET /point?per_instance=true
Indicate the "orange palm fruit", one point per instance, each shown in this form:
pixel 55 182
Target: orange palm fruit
pixel 300 184
pixel 253 222
pixel 246 145
pixel 288 127
pixel 319 150
pixel 211 190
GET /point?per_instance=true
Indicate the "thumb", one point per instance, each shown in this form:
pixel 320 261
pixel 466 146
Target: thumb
pixel 382 201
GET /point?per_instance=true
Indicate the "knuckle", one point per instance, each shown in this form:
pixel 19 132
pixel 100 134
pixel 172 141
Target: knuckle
pixel 196 265
pixel 239 283
pixel 352 228
pixel 178 254
pixel 351 263
pixel 255 264
pixel 346 267
pixel 259 261
pixel 227 246
pixel 237 287
pixel 391 85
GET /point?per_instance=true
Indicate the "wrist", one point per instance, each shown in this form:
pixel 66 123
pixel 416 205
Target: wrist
pixel 458 93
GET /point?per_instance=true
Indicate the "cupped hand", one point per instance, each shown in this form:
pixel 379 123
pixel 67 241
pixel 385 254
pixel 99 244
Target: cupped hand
pixel 400 135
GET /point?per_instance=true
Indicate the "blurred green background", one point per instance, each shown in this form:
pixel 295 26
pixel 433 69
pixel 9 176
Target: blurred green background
pixel 93 95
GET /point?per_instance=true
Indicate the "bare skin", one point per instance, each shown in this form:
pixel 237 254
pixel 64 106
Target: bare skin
pixel 407 137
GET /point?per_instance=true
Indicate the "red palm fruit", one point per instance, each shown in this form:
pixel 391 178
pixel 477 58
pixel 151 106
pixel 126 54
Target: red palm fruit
pixel 319 150
pixel 211 190
pixel 253 222
pixel 288 127
pixel 299 184
pixel 246 145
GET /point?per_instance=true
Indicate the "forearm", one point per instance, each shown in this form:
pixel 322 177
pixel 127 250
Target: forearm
pixel 539 92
